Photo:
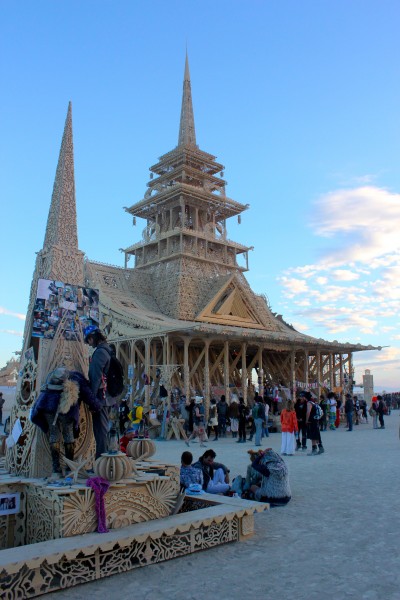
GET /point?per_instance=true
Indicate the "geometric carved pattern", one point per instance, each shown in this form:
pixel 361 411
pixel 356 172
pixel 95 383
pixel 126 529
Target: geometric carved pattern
pixel 76 567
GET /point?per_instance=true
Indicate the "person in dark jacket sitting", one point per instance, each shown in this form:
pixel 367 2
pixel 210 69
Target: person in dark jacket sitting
pixel 56 410
pixel 215 475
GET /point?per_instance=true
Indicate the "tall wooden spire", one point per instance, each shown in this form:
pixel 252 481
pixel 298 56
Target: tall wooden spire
pixel 61 229
pixel 187 132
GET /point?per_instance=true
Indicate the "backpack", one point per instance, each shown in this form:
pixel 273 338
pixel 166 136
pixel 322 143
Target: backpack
pixel 132 415
pixel 319 413
pixel 115 377
pixel 261 412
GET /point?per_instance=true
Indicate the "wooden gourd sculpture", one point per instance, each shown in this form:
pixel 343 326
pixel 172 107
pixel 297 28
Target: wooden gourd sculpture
pixel 114 467
pixel 141 449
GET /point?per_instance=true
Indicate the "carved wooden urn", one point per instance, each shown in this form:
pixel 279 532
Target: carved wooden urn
pixel 141 449
pixel 113 467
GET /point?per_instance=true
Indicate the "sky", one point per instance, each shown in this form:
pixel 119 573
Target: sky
pixel 299 99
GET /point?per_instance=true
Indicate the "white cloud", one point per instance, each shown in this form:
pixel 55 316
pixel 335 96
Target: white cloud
pixel 9 313
pixel 353 214
pixel 12 332
pixel 344 275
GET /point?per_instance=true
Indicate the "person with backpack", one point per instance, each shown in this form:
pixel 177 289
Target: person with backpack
pixel 98 369
pixel 314 413
pixel 136 417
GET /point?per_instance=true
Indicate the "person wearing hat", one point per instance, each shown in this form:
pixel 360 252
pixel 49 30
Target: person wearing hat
pixel 98 368
pixel 126 438
pixel 312 421
pixel 198 421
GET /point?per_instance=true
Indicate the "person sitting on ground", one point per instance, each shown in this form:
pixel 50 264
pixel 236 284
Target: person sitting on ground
pixel 274 486
pixel 128 436
pixel 215 475
pixel 189 474
pixel 242 485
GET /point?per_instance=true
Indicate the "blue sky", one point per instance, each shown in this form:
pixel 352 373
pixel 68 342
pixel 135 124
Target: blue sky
pixel 298 99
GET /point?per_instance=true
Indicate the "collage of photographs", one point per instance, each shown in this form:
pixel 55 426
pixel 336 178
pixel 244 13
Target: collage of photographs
pixel 54 299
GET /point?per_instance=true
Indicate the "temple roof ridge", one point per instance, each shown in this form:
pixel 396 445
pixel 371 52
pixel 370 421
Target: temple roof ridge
pixel 187 132
pixel 61 228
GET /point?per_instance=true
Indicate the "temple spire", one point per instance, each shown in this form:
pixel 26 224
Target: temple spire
pixel 61 229
pixel 187 132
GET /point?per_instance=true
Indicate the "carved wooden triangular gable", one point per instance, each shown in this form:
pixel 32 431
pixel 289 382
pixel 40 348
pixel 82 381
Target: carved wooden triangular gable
pixel 230 306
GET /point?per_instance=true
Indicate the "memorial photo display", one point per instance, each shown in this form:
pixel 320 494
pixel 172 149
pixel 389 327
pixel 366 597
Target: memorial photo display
pixel 54 300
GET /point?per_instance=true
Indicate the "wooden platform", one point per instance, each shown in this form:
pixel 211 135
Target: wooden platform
pixel 205 521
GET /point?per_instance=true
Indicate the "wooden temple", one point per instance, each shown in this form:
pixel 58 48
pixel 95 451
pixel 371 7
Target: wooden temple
pixel 183 313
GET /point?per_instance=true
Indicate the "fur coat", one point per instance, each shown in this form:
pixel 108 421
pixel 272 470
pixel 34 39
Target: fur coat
pixel 66 401
pixel 275 476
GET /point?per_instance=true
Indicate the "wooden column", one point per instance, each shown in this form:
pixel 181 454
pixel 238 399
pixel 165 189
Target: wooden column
pixel 306 367
pixel 341 377
pixel 319 374
pixel 244 372
pixel 186 371
pixel 331 380
pixel 293 372
pixel 226 370
pixel 147 344
pixel 206 376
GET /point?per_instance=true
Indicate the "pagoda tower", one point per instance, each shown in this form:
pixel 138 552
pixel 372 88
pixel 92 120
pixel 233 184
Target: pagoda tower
pixel 184 244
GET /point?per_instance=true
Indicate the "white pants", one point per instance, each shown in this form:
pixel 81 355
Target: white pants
pixel 217 484
pixel 288 440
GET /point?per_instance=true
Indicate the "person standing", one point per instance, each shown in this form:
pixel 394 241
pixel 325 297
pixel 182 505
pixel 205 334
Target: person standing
pixel 301 414
pixel 380 409
pixel 373 411
pixel 2 401
pixel 242 421
pixel 258 418
pixel 198 421
pixel 233 414
pixel 313 432
pixel 324 405
pixel 332 410
pixel 213 420
pixel 222 410
pixel 289 427
pixel 348 409
pixel 98 368
pixel 266 410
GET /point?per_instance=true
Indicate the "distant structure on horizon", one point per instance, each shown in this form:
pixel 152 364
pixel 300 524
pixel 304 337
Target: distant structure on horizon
pixel 368 384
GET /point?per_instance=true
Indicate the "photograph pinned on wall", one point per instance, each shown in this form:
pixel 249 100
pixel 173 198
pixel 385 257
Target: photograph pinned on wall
pixel 9 504
pixel 54 299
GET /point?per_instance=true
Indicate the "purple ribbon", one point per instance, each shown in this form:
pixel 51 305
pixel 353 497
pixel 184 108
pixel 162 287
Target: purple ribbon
pixel 99 486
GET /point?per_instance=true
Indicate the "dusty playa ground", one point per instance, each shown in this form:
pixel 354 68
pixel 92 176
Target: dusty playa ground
pixel 338 538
